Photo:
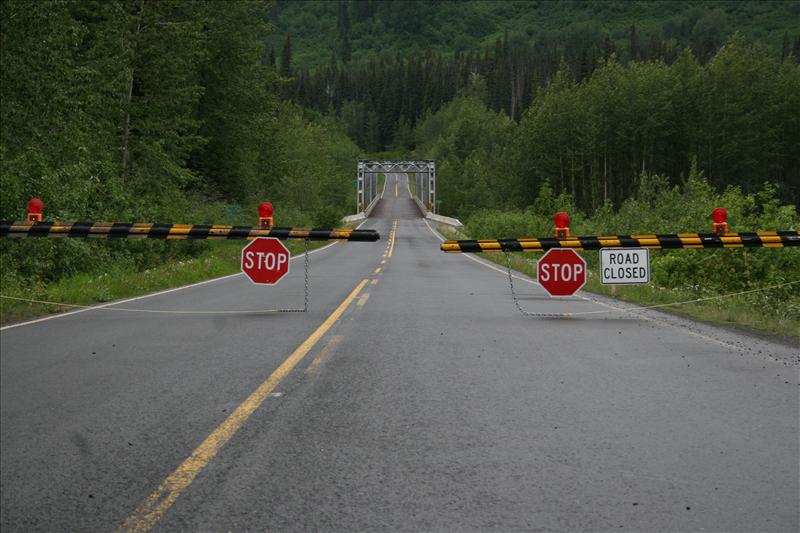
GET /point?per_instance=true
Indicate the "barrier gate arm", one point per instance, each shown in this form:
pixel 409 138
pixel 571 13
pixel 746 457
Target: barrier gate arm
pixel 17 229
pixel 759 239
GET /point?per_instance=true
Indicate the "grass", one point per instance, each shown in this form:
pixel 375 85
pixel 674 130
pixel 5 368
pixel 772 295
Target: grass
pixel 220 259
pixel 736 312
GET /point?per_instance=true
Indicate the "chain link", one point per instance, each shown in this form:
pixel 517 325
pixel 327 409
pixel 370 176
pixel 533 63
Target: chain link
pixel 516 299
pixel 307 265
pixel 308 273
pixel 633 310
pixel 108 307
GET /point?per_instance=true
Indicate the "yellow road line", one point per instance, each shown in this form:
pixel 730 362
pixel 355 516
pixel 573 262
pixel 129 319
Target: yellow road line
pixel 323 353
pixel 160 500
pixel 378 270
pixel 363 299
pixel 395 188
pixel 375 281
pixel 394 233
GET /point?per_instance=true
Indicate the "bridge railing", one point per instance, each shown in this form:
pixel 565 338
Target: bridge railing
pixel 424 189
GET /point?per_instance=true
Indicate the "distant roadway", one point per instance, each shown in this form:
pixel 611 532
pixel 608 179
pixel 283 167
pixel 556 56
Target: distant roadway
pixel 413 396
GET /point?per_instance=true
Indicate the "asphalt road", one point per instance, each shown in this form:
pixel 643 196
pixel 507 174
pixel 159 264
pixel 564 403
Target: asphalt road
pixel 419 400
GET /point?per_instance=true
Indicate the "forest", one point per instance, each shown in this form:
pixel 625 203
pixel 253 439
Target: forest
pixel 736 118
pixel 361 30
pixel 594 111
pixel 196 110
pixel 131 110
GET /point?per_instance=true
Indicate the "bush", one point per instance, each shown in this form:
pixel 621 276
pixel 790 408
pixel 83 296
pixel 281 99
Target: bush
pixel 658 207
pixel 327 217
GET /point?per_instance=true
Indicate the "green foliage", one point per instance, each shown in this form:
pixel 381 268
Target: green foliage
pixel 501 52
pixel 736 116
pixel 317 164
pixel 328 216
pixel 126 110
pixel 121 280
pixel 239 105
pixel 172 111
pixel 469 144
pixel 659 207
pixel 408 28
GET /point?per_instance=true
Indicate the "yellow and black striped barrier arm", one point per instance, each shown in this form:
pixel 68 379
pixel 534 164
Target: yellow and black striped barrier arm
pixel 103 230
pixel 759 239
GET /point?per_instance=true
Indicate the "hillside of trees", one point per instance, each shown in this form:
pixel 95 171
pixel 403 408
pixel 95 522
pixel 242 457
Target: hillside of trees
pixel 362 30
pixel 601 91
pixel 193 111
pixel 166 111
pixel 737 119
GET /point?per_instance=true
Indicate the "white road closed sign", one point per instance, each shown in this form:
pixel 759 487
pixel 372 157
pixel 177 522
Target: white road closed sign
pixel 628 266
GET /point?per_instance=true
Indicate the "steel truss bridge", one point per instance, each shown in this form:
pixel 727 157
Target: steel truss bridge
pixel 424 191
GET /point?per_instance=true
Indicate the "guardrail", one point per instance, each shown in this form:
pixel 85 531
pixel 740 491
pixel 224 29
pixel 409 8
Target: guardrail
pixel 759 239
pixel 117 230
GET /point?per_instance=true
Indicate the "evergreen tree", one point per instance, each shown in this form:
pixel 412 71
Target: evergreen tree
pixel 286 57
pixel 363 9
pixel 237 108
pixel 343 25
pixel 785 50
pixel 634 51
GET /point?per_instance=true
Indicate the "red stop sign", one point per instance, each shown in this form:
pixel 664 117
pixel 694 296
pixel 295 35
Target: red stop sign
pixel 561 272
pixel 265 260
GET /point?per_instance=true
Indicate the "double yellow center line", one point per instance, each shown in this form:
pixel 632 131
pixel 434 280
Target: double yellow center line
pixel 161 499
pixel 392 234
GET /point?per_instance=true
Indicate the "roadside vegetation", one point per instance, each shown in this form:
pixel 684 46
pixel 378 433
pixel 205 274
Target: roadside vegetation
pixel 736 118
pixel 119 279
pixel 630 116
pixel 641 147
pixel 676 275
pixel 150 112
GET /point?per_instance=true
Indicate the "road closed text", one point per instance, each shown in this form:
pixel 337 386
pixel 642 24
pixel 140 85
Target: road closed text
pixel 623 267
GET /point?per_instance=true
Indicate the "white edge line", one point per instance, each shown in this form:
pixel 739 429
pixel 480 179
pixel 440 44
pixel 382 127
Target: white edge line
pixel 385 180
pixel 479 260
pixel 135 298
pixel 85 309
pixel 621 309
pixel 664 322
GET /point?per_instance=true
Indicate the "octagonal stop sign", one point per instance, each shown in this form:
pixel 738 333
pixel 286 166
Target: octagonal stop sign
pixel 265 260
pixel 561 272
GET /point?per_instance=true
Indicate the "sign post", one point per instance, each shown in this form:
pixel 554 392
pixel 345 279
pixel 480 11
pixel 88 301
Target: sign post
pixel 630 266
pixel 561 272
pixel 265 260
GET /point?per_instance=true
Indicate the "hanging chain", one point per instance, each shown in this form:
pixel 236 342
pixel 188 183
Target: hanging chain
pixel 634 311
pixel 308 272
pixel 107 307
pixel 307 266
pixel 516 299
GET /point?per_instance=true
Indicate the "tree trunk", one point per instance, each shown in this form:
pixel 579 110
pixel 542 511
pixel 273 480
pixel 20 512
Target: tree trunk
pixel 126 129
